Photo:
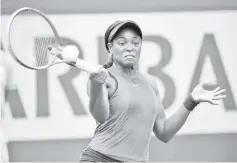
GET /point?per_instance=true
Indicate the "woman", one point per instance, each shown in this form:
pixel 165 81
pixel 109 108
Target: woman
pixel 126 104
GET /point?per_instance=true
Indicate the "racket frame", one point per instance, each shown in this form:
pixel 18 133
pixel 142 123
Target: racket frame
pixel 56 35
pixel 79 63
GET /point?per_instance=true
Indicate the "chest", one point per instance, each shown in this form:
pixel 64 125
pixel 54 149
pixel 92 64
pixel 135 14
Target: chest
pixel 134 99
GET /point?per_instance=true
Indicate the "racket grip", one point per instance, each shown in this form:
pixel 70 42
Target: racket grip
pixel 84 65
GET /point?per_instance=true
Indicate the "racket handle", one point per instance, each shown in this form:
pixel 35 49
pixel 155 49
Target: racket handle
pixel 84 65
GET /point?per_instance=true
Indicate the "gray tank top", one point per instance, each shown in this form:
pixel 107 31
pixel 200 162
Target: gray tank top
pixel 126 134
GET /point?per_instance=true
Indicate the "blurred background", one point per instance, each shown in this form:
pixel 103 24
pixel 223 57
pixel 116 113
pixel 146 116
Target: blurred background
pixel 185 42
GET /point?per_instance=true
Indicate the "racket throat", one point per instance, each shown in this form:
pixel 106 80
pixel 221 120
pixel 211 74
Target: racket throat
pixel 55 50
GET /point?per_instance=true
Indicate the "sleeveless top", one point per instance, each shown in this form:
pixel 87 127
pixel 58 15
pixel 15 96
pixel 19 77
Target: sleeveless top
pixel 126 134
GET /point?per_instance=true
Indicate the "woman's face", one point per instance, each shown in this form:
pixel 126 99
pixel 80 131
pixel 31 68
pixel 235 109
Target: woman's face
pixel 126 47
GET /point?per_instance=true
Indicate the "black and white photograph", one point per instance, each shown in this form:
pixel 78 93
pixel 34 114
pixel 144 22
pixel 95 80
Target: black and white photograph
pixel 118 81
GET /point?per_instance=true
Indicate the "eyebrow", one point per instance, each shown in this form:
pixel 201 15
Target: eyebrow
pixel 121 37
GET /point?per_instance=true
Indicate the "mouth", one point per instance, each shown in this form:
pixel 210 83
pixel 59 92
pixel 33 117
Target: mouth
pixel 130 56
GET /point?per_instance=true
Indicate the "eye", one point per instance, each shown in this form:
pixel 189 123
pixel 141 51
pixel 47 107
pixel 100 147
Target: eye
pixel 136 43
pixel 121 43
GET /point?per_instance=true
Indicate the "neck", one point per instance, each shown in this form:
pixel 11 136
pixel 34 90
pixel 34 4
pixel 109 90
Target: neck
pixel 129 71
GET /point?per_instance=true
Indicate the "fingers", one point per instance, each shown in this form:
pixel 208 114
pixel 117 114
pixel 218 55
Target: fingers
pixel 99 77
pixel 219 92
pixel 219 97
pixel 217 89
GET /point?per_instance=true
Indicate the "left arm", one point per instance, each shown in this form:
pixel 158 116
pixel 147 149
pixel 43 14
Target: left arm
pixel 165 129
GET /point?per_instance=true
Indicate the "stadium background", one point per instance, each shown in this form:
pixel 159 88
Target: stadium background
pixel 184 42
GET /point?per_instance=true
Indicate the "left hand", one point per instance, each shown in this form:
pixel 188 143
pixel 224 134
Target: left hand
pixel 199 94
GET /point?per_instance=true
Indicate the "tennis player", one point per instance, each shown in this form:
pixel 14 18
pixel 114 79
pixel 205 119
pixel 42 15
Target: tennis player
pixel 126 104
pixel 6 85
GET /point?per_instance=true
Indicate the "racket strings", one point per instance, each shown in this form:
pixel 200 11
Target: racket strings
pixel 42 52
pixel 30 36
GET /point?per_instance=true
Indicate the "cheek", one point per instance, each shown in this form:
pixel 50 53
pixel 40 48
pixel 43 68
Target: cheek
pixel 138 51
pixel 139 48
pixel 117 55
pixel 118 51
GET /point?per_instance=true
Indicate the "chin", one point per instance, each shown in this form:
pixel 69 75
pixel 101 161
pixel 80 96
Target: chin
pixel 129 64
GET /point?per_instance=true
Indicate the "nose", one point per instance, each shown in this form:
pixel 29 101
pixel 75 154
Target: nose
pixel 129 47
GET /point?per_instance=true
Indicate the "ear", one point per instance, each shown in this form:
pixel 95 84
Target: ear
pixel 110 45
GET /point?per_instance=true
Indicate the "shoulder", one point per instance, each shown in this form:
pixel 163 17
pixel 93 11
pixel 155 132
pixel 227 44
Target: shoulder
pixel 111 80
pixel 110 83
pixel 152 81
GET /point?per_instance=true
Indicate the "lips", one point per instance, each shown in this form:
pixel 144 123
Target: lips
pixel 130 56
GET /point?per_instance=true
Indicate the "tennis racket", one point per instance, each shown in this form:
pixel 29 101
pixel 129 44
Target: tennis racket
pixel 34 42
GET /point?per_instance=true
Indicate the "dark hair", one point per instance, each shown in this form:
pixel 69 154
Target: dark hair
pixel 128 26
pixel 109 62
pixel 113 30
pixel 116 27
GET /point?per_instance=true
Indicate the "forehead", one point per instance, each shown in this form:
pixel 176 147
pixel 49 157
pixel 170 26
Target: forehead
pixel 127 33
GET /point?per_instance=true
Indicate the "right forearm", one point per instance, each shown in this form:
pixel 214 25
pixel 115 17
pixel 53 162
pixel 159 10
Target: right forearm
pixel 98 104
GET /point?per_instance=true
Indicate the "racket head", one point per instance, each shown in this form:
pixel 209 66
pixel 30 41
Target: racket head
pixel 24 27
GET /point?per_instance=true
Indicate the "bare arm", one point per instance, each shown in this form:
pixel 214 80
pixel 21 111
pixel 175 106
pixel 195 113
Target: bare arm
pixel 165 129
pixel 98 102
pixel 100 88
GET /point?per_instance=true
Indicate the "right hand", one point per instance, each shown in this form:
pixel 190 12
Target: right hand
pixel 100 76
